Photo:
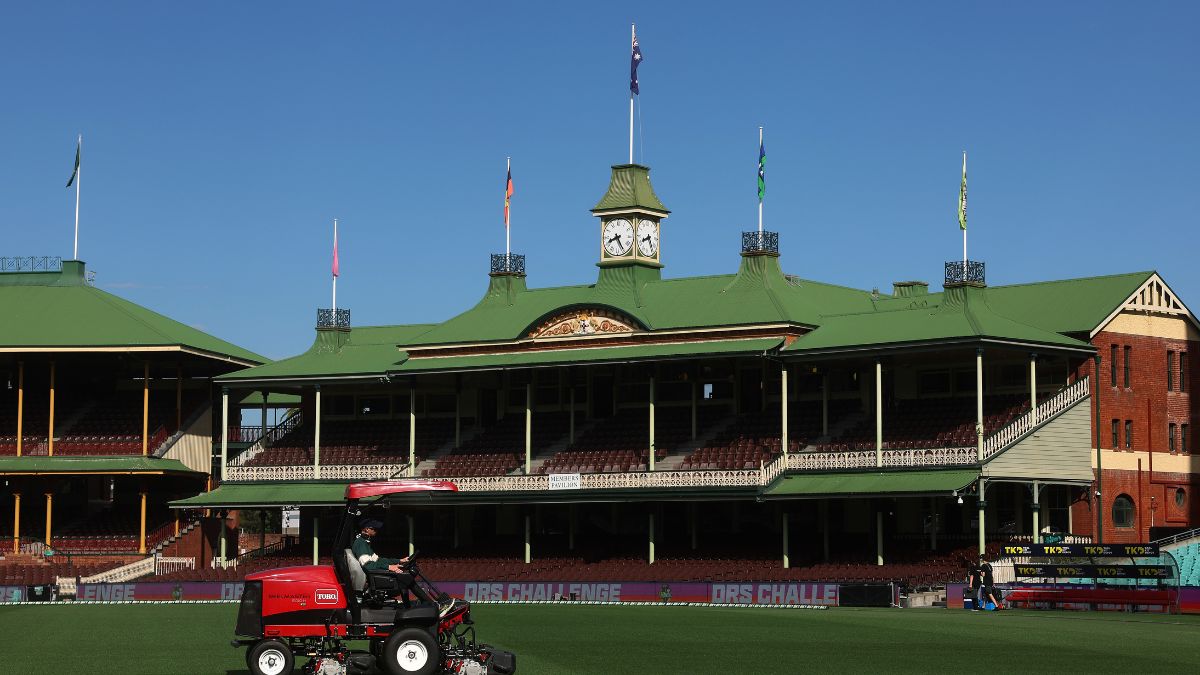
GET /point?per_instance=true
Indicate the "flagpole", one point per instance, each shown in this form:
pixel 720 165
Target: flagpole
pixel 335 242
pixel 964 218
pixel 632 39
pixel 78 174
pixel 507 209
pixel 760 201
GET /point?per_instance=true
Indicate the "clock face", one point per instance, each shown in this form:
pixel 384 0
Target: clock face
pixel 647 238
pixel 617 237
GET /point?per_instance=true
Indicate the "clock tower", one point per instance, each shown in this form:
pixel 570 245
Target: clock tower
pixel 630 216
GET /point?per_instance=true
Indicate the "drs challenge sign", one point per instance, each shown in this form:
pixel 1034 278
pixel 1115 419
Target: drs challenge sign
pixel 822 595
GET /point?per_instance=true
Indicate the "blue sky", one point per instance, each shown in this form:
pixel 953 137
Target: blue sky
pixel 222 138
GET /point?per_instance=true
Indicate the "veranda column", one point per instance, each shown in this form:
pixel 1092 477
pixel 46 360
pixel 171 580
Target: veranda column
pixel 783 409
pixel 824 404
pixel 316 539
pixel 528 426
pixel 1033 387
pixel 653 449
pixel 221 516
pixel 265 395
pixel 49 515
pixel 178 398
pixel 412 543
pixel 979 404
pixel 142 523
pixel 1036 511
pixel 571 419
pixel 982 524
pixel 145 408
pixel 787 561
pixel 412 430
pixel 16 522
pixel 317 432
pixel 224 431
pixel 695 405
pixel 878 412
pixel 528 547
pixel 879 537
pixel 651 551
pixel 50 437
pixel 20 407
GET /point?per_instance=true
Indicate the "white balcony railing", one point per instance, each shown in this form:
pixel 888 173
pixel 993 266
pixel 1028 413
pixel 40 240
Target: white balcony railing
pixel 764 475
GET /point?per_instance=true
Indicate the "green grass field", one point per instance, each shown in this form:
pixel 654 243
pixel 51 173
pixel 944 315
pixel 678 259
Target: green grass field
pixel 194 640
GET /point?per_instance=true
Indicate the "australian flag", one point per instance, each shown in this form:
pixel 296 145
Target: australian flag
pixel 633 65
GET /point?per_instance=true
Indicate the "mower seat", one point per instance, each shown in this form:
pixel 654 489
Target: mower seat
pixel 372 589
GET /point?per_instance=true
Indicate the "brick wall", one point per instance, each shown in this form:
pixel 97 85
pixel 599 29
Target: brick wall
pixel 1148 404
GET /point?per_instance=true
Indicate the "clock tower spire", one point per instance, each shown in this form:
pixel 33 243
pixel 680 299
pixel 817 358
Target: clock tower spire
pixel 630 216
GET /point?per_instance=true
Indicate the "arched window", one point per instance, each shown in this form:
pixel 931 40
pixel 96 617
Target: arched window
pixel 1122 511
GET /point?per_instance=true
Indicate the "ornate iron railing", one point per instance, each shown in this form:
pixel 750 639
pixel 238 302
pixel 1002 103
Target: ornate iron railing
pixel 43 263
pixel 760 242
pixel 333 318
pixel 970 272
pixel 508 263
pixel 307 472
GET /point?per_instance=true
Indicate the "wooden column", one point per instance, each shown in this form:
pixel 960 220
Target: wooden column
pixel 16 544
pixel 412 430
pixel 145 408
pixel 979 404
pixel 317 437
pixel 783 408
pixel 1037 512
pixel 1033 387
pixel 266 395
pixel 878 413
pixel 651 551
pixel 653 449
pixel 787 560
pixel 49 515
pixel 529 425
pixel 20 407
pixel 179 398
pixel 412 542
pixel 50 436
pixel 879 538
pixel 528 544
pixel 142 524
pixel 224 432
pixel 316 539
pixel 982 509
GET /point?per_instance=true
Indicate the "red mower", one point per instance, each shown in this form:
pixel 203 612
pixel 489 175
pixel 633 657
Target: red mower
pixel 316 611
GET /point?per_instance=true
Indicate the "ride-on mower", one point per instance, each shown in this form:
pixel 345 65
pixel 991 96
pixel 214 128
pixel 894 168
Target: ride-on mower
pixel 317 611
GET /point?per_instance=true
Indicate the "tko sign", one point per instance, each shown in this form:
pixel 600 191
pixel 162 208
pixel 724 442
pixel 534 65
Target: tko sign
pixel 1082 550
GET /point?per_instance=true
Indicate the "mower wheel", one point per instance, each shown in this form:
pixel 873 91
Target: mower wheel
pixel 270 657
pixel 411 651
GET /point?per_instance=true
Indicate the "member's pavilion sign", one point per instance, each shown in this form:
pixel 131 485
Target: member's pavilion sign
pixel 582 322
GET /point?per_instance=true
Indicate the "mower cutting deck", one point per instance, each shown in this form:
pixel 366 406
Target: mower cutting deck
pixel 316 612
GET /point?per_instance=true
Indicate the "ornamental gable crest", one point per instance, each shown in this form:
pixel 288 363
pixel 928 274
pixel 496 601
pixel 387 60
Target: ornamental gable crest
pixel 583 322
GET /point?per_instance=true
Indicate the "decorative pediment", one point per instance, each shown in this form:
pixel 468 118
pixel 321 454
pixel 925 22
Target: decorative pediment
pixel 1155 296
pixel 584 321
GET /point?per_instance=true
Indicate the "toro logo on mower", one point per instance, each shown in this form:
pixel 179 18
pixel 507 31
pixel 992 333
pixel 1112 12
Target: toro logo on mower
pixel 326 596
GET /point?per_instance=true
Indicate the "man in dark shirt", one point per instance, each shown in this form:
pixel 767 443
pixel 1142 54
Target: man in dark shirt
pixel 987 581
pixel 975 583
pixel 372 562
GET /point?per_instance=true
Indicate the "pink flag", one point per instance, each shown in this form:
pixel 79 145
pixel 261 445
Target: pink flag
pixel 335 255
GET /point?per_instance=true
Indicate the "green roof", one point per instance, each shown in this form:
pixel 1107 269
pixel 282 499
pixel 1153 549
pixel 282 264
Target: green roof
pixel 1069 305
pixel 873 483
pixel 60 310
pixel 363 352
pixel 619 354
pixel 630 188
pixel 274 493
pixel 136 464
pixel 959 315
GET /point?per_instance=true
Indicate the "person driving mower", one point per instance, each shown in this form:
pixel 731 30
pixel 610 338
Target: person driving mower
pixel 373 562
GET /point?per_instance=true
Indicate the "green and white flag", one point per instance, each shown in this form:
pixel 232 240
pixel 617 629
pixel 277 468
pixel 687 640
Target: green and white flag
pixel 75 172
pixel 962 197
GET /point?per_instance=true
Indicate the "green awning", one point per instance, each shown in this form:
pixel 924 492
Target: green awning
pixel 135 464
pixel 274 400
pixel 274 494
pixel 873 483
pixel 621 354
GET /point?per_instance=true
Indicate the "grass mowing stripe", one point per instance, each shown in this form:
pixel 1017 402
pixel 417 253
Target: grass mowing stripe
pixel 194 640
